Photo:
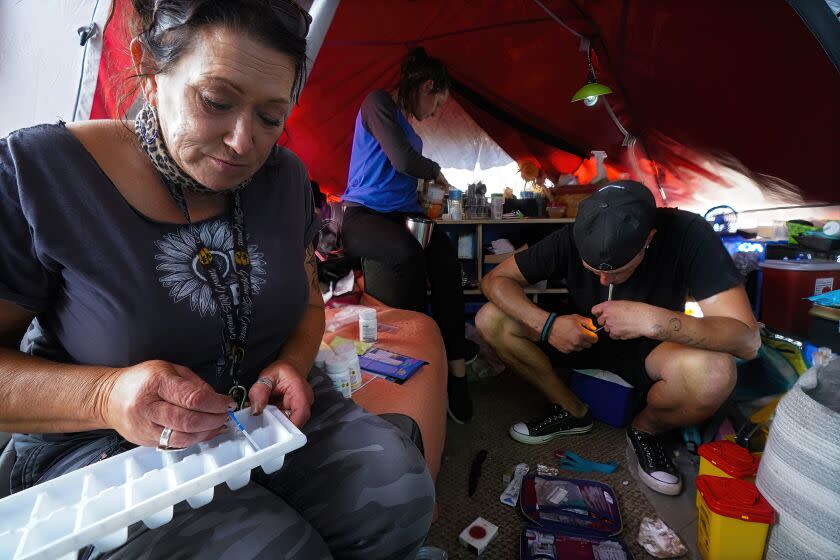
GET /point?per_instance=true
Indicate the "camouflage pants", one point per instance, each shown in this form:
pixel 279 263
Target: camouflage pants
pixel 359 488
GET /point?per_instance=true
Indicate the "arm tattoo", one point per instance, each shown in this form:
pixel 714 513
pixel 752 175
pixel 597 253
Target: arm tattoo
pixel 310 263
pixel 672 333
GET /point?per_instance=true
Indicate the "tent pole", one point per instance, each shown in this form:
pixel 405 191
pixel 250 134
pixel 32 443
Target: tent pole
pixel 823 24
pixel 322 13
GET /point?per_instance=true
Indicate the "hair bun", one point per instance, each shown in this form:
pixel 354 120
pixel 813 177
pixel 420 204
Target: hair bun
pixel 417 68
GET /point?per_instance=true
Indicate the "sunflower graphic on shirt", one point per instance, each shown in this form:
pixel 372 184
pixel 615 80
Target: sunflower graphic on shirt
pixel 181 272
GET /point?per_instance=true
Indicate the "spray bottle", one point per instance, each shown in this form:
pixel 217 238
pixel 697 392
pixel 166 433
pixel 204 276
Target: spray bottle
pixel 600 170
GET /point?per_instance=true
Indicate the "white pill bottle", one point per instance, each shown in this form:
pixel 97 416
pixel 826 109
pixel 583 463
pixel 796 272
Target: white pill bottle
pixel 367 325
pixel 339 373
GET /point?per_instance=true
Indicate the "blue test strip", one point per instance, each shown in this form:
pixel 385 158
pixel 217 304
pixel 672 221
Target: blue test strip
pixel 244 431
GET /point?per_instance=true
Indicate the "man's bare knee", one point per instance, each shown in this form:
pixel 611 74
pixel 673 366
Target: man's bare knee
pixel 709 377
pixel 490 321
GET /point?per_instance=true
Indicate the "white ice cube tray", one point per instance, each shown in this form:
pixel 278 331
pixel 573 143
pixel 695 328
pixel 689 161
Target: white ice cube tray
pixel 96 504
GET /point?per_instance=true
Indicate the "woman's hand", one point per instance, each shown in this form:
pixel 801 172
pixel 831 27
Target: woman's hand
pixel 441 180
pixel 290 392
pixel 141 400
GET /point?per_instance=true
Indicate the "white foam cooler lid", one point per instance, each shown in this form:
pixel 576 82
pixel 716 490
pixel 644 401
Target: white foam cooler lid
pixel 604 375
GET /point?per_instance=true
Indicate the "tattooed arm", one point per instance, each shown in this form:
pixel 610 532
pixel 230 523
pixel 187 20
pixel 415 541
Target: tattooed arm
pixel 288 387
pixel 303 344
pixel 727 325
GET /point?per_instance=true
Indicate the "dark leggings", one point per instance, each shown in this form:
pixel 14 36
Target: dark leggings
pixel 385 240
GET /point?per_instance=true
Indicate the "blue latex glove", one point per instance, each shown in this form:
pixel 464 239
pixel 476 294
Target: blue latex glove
pixel 571 461
pixel 691 438
pixel 828 299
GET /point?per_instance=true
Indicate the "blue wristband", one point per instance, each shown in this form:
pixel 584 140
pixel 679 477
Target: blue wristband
pixel 547 326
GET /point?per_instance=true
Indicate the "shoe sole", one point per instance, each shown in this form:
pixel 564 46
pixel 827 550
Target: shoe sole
pixel 649 481
pixel 536 440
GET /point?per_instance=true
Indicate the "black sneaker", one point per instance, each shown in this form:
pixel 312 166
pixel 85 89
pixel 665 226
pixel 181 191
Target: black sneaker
pixel 459 405
pixel 557 422
pixel 653 464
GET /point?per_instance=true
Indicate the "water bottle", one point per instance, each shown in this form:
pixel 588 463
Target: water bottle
pixel 455 204
pixel 497 204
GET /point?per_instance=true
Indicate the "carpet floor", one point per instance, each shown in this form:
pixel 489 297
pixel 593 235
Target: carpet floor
pixel 499 402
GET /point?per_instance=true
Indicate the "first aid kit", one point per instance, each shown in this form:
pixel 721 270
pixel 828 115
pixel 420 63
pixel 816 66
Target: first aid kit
pixel 572 519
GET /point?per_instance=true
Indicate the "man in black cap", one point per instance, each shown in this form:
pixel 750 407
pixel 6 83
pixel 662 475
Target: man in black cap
pixel 629 268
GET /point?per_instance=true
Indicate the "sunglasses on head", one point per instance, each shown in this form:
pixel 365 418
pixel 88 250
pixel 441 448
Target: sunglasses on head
pixel 294 18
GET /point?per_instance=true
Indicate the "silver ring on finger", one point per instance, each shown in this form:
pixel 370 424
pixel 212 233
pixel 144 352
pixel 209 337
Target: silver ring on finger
pixel 268 382
pixel 163 442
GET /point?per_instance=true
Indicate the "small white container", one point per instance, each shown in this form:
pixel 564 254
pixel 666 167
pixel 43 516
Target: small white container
pixel 321 358
pixel 347 352
pixel 338 371
pixel 367 325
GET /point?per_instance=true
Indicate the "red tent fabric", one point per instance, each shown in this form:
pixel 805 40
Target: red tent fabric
pixel 729 81
pixel 745 78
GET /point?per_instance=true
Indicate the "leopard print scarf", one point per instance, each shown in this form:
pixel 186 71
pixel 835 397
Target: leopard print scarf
pixel 151 140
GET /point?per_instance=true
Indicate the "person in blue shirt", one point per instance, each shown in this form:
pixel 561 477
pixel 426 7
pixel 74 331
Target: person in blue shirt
pixel 385 165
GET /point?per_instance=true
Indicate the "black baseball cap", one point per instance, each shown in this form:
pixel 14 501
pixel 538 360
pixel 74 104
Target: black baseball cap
pixel 612 224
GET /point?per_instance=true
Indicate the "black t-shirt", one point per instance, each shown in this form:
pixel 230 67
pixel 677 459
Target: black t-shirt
pixel 685 258
pixel 113 287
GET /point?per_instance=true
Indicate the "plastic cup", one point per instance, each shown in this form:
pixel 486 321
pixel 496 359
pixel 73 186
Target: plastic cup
pixel 497 204
pixel 433 201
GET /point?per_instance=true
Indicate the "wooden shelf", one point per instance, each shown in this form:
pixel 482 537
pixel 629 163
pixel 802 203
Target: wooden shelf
pixel 481 259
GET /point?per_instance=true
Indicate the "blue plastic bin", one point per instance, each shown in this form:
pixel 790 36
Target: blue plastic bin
pixel 610 398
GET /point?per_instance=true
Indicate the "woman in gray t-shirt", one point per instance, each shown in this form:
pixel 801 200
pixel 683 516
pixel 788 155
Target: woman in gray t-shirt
pixel 165 274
